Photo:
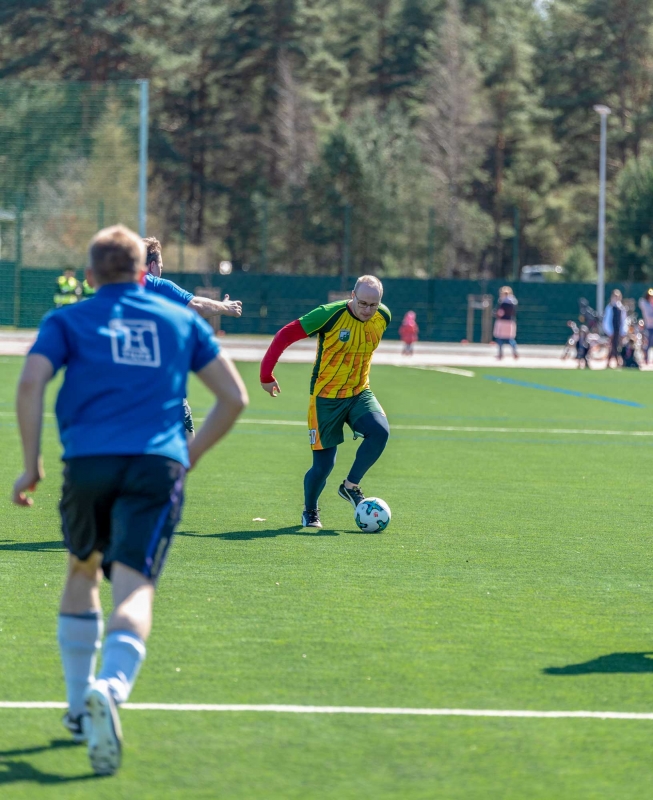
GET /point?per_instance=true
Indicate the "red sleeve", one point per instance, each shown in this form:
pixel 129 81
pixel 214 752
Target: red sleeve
pixel 292 332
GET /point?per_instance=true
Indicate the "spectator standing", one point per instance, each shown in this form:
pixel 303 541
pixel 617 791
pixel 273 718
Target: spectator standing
pixel 615 326
pixel 409 332
pixel 505 326
pixel 646 307
pixel 67 290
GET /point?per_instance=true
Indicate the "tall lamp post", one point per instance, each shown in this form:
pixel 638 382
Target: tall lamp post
pixel 604 112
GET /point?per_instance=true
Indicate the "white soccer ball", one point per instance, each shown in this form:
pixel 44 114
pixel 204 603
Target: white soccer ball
pixel 372 515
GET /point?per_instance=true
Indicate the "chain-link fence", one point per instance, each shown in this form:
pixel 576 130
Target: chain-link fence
pixel 68 165
pixel 69 155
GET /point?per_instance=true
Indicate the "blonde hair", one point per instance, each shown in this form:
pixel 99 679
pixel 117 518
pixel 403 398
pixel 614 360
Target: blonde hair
pixel 370 280
pixel 505 290
pixel 116 254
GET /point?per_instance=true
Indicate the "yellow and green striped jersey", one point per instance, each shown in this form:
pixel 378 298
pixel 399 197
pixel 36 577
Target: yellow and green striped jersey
pixel 344 348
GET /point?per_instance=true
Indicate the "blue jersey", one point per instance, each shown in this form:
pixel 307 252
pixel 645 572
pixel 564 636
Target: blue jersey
pixel 127 355
pixel 167 289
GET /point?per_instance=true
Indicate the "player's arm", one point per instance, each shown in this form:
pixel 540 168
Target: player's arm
pixel 289 334
pixel 206 307
pixel 222 378
pixel 29 408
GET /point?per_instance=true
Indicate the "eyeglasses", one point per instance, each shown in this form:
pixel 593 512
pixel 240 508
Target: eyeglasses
pixel 362 304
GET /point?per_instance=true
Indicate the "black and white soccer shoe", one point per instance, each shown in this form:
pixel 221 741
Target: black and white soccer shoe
pixel 105 736
pixel 77 726
pixel 353 495
pixel 311 519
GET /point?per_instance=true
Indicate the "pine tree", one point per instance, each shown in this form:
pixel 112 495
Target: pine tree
pixel 454 132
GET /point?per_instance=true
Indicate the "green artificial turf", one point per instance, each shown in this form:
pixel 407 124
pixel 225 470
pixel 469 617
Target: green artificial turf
pixel 516 574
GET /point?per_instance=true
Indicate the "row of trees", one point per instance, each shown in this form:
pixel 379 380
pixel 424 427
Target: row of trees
pixel 449 137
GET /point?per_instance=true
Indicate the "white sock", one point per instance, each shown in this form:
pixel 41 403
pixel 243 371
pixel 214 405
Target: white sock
pixel 122 656
pixel 79 637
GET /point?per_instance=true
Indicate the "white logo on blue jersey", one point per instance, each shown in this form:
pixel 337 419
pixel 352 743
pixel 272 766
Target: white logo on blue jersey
pixel 135 342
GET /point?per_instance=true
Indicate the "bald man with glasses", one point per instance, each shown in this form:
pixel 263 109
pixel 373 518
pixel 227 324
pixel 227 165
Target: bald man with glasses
pixel 348 332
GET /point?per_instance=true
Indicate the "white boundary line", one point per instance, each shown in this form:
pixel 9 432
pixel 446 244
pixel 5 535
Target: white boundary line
pixel 415 712
pixel 464 373
pixel 479 429
pixel 465 428
pixel 437 428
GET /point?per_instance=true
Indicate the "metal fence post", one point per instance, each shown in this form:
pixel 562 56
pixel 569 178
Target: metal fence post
pixel 142 157
pixel 346 249
pixel 263 264
pixel 182 233
pixel 18 265
pixel 430 247
pixel 515 246
pixel 603 112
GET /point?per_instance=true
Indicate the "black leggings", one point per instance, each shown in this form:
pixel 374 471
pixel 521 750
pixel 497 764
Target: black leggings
pixel 375 430
pixel 615 343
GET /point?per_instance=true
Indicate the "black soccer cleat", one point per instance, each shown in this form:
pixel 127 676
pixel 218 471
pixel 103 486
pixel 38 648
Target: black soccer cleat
pixel 353 495
pixel 77 726
pixel 311 519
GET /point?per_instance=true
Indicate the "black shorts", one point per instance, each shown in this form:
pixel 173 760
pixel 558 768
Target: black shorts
pixel 188 418
pixel 126 507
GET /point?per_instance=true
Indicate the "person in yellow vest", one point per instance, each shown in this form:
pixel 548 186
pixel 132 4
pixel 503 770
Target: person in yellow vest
pixel 68 289
pixel 87 290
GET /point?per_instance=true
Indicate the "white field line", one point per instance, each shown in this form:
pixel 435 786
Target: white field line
pixel 416 712
pixel 437 428
pixel 465 373
pixel 464 429
pixel 13 414
pixel 479 429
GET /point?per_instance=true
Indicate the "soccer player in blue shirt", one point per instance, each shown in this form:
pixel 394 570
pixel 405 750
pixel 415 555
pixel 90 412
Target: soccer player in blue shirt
pixel 126 354
pixel 205 306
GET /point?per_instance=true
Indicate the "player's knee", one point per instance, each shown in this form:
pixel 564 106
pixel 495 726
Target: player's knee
pixel 87 569
pixel 379 429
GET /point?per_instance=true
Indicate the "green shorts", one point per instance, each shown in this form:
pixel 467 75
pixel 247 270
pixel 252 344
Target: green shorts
pixel 327 417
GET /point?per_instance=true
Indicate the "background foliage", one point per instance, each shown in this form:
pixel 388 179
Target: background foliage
pixel 438 126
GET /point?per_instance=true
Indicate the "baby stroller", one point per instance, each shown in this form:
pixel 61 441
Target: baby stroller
pixel 629 352
pixel 588 316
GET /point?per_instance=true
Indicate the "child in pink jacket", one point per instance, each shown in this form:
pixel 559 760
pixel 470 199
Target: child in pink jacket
pixel 408 332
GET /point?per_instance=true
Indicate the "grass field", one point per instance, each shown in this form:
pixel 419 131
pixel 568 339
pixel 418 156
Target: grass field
pixel 516 574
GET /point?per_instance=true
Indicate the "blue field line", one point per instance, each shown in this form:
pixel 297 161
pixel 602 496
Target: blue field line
pixel 570 392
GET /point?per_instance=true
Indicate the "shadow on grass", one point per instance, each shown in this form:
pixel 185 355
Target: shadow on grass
pixel 261 533
pixel 42 547
pixel 15 770
pixel 614 662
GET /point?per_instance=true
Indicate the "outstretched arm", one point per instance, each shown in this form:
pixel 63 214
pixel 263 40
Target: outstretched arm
pixel 289 334
pixel 29 408
pixel 206 307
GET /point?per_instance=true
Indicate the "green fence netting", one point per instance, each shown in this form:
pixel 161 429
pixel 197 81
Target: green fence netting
pixel 271 301
pixel 68 165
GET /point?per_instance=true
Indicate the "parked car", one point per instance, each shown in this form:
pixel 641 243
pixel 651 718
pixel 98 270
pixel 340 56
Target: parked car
pixel 539 273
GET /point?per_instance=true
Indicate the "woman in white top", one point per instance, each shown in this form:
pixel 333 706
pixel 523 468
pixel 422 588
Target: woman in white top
pixel 615 326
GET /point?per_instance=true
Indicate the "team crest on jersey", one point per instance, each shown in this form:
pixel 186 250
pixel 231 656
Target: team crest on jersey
pixel 312 436
pixel 344 335
pixel 135 342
